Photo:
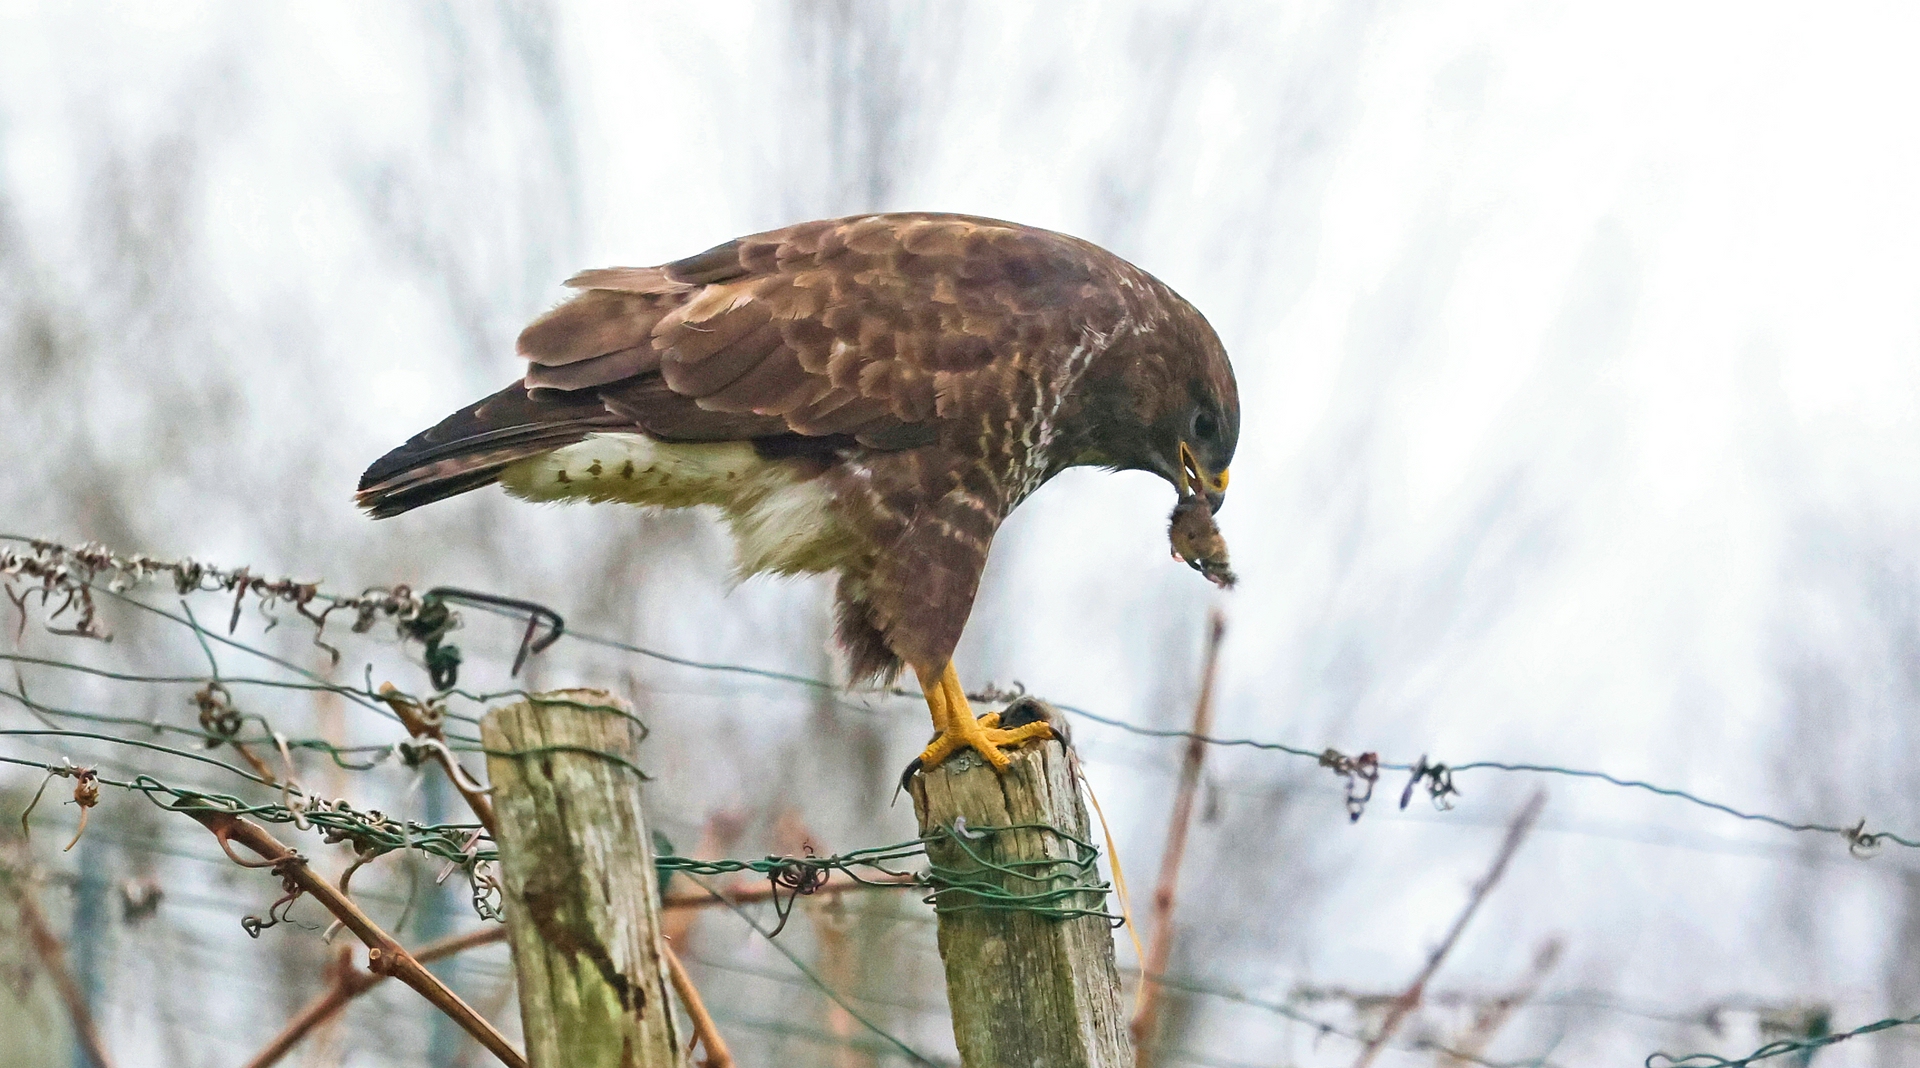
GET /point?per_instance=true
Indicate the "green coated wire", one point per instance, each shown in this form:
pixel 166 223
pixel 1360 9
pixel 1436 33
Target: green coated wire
pixel 369 830
pixel 812 975
pixel 31 732
pixel 1776 1049
pixel 341 689
pixel 212 738
pixel 1435 774
pixel 1061 882
pixel 874 857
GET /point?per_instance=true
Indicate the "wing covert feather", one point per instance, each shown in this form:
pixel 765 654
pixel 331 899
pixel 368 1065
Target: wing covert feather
pixel 862 326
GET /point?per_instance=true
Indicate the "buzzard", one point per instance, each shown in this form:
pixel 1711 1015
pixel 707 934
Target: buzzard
pixel 869 396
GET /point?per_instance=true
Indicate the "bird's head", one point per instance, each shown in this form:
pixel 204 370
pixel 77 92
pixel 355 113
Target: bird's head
pixel 1173 406
pixel 1203 434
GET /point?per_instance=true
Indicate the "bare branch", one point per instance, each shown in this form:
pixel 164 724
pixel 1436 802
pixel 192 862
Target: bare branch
pixel 384 955
pixel 357 982
pixel 1409 1000
pixel 1147 1013
pixel 1495 1014
pixel 703 1026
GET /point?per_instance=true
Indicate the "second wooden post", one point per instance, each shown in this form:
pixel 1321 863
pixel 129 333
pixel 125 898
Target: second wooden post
pixel 1029 981
pixel 582 896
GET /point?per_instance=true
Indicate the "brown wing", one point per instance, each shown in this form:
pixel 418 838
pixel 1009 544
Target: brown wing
pixel 854 326
pixel 874 328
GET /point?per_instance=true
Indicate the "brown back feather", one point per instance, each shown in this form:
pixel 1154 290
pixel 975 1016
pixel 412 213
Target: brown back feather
pixel 873 328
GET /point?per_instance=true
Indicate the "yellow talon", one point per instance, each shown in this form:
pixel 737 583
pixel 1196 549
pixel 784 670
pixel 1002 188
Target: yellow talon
pixel 958 728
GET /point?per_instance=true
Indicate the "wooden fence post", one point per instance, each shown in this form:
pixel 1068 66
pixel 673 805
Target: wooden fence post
pixel 1025 988
pixel 582 896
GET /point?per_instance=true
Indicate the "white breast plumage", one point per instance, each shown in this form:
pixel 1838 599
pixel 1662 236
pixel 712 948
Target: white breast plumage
pixel 782 518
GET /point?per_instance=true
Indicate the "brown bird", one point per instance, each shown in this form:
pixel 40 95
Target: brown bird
pixel 869 396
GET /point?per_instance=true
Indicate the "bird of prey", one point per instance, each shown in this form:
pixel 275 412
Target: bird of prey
pixel 869 396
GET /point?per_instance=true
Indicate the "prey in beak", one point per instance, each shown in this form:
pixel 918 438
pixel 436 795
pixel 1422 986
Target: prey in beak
pixel 1191 530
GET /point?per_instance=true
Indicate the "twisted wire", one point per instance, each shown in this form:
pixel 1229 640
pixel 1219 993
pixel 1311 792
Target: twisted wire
pixel 1780 1048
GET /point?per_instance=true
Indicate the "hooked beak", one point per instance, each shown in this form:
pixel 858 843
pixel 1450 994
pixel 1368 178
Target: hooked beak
pixel 1197 479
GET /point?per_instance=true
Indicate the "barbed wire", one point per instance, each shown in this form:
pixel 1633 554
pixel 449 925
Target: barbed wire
pixel 72 573
pixel 63 581
pixel 1433 779
pixel 371 833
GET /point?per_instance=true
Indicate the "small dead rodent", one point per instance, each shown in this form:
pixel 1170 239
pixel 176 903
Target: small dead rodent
pixel 1197 540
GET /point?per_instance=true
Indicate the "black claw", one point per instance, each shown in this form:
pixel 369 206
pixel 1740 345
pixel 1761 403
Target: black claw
pixel 913 767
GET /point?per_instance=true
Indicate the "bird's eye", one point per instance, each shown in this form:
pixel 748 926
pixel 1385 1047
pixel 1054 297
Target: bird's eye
pixel 1204 425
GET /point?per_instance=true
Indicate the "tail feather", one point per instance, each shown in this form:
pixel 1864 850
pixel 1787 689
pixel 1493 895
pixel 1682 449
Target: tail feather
pixel 469 449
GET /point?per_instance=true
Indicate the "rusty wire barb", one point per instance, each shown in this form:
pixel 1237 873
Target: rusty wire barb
pixel 86 794
pixel 1362 774
pixel 218 717
pixel 1862 843
pixel 1437 780
pixel 70 574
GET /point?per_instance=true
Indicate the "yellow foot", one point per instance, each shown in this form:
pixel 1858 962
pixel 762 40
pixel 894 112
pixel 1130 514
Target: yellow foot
pixel 983 736
pixel 960 730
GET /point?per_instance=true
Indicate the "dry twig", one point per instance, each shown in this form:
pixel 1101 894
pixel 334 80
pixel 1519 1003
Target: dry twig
pixel 384 955
pixel 704 1028
pixel 356 982
pixel 1494 1015
pixel 349 982
pixel 1409 1000
pixel 1147 1013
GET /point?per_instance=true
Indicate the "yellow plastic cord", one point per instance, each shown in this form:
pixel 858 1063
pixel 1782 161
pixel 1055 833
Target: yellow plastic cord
pixel 1120 883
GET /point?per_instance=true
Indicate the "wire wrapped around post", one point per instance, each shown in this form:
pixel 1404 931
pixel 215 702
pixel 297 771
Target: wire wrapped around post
pixel 1024 931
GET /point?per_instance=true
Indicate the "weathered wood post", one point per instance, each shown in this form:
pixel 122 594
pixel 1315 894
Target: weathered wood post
pixel 582 897
pixel 1026 988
